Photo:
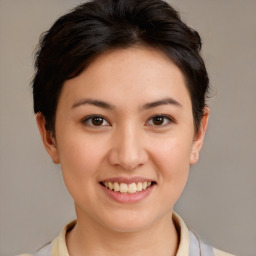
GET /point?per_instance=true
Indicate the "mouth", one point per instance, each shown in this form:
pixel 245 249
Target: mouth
pixel 125 188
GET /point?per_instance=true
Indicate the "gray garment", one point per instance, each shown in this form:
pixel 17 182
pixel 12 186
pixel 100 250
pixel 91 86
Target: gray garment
pixel 196 248
pixel 44 251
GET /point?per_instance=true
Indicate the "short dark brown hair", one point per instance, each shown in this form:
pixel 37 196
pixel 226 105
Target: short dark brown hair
pixel 95 27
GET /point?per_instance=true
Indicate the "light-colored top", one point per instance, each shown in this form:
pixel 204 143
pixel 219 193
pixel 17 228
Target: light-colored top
pixel 59 247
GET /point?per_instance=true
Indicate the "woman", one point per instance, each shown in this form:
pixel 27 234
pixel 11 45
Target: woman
pixel 119 96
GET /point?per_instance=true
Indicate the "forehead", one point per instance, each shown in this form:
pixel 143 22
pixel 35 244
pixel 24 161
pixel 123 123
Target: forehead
pixel 125 75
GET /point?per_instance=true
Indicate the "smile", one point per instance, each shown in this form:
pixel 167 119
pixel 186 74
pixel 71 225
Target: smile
pixel 124 188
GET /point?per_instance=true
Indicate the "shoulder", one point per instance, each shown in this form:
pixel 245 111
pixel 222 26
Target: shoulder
pixel 57 246
pixel 221 253
pixel 46 250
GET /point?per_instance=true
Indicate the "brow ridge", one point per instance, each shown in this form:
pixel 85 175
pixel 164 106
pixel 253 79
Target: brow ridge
pixel 97 103
pixel 103 104
pixel 165 101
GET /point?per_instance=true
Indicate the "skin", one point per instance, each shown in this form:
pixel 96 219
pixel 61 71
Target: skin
pixel 128 143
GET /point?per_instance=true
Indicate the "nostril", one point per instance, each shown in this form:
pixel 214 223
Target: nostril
pixel 128 157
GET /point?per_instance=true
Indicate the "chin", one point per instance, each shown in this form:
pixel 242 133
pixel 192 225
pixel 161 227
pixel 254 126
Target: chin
pixel 129 222
pixel 127 227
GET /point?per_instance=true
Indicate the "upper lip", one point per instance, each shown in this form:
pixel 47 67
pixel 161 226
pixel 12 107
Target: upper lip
pixel 127 180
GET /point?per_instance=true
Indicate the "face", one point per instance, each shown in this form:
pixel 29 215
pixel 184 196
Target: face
pixel 125 138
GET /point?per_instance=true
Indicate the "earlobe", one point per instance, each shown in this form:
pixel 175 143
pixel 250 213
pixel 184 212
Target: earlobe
pixel 48 139
pixel 199 138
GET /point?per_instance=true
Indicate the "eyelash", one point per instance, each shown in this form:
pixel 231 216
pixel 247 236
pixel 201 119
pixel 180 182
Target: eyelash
pixel 88 121
pixel 167 120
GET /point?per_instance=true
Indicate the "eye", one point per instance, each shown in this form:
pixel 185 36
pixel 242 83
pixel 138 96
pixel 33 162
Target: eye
pixel 159 120
pixel 95 121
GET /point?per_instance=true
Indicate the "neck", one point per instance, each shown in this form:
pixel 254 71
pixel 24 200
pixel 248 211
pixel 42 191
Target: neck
pixel 90 238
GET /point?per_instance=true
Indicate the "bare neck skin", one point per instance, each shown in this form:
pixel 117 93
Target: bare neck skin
pixel 91 238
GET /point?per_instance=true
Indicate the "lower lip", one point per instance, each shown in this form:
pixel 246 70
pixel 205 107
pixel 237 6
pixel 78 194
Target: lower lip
pixel 127 198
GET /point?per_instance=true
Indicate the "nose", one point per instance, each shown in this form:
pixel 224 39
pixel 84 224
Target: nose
pixel 128 151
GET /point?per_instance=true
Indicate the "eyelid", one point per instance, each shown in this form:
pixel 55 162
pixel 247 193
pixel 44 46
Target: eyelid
pixel 85 120
pixel 170 120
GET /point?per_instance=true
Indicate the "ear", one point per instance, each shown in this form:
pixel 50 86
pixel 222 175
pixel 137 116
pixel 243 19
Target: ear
pixel 47 138
pixel 199 137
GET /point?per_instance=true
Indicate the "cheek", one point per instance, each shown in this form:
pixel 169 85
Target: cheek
pixel 173 155
pixel 172 159
pixel 80 160
pixel 174 162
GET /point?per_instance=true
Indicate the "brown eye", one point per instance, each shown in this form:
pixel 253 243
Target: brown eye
pixel 97 121
pixel 94 121
pixel 159 120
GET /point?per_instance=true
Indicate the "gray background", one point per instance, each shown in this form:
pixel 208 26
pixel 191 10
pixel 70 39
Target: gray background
pixel 220 199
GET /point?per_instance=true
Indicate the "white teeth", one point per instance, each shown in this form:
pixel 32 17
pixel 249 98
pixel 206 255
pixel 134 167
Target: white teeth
pixel 127 188
pixel 144 185
pixel 132 188
pixel 116 186
pixel 123 188
pixel 139 186
pixel 110 186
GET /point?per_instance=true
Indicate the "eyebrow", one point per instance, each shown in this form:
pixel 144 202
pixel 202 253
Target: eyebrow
pixel 97 103
pixel 164 101
pixel 103 104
